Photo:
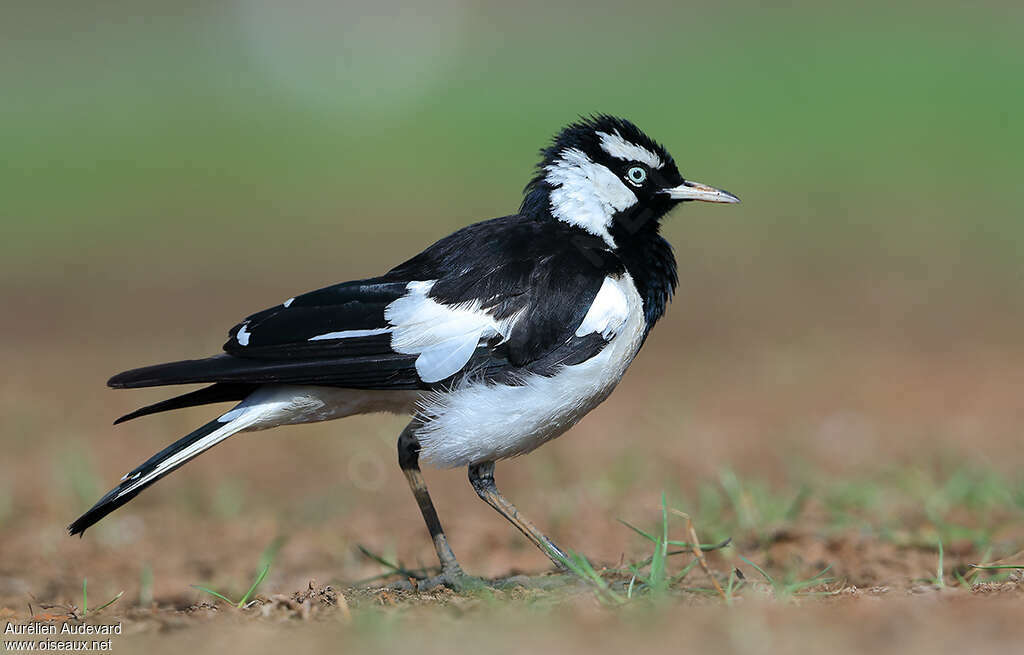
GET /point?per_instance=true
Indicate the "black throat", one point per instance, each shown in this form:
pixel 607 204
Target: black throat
pixel 644 253
pixel 648 258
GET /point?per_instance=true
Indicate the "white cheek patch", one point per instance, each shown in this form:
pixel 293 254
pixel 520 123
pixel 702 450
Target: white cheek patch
pixel 443 336
pixel 587 194
pixel 619 148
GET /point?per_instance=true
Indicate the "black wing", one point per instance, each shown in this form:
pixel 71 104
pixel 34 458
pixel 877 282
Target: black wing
pixel 539 273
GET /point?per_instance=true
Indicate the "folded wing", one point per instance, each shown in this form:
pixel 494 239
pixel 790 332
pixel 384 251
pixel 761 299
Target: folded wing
pixel 470 305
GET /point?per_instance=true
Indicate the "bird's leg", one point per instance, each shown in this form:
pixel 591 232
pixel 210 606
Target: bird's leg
pixel 409 460
pixel 481 476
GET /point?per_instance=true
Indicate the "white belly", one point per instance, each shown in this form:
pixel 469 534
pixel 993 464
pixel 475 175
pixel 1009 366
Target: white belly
pixel 481 422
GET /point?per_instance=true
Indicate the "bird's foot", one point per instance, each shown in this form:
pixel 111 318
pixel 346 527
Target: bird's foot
pixel 455 579
pixel 452 577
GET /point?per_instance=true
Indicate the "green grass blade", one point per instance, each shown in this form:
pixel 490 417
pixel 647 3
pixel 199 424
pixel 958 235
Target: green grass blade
pixel 646 562
pixel 657 580
pixel 85 597
pixel 796 587
pixel 213 593
pixel 985 556
pixel 796 508
pixel 734 584
pixel 763 573
pixel 581 567
pixel 961 580
pixel 269 553
pixel 679 577
pixel 707 548
pixel 645 535
pixel 146 586
pixel 256 583
pixel 573 563
pixel 395 568
pixel 109 602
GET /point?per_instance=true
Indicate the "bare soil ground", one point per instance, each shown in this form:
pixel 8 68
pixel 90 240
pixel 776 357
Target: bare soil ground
pixel 813 435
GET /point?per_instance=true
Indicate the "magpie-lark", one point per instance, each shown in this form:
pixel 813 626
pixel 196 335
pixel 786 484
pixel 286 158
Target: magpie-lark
pixel 496 339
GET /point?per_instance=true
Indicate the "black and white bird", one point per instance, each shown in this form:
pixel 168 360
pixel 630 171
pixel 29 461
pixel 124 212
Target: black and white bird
pixel 496 339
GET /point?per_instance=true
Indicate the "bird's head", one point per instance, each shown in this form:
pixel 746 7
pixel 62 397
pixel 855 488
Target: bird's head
pixel 606 176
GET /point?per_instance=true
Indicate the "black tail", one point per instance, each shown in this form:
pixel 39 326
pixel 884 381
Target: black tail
pixel 154 468
pixel 215 393
pixel 364 371
pixel 184 372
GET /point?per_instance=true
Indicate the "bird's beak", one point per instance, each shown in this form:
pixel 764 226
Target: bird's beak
pixel 696 191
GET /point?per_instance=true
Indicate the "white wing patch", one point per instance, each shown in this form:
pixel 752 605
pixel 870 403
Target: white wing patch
pixel 350 334
pixel 608 312
pixel 447 357
pixel 242 337
pixel 443 336
pixel 586 194
pixel 619 148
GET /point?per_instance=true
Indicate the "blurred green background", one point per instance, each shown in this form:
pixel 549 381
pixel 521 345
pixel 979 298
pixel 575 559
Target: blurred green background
pixel 864 138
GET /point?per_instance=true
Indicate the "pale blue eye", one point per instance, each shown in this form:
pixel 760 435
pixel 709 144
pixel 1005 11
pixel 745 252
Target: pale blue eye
pixel 637 175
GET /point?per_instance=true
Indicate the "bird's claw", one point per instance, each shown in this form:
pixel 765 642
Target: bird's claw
pixel 452 577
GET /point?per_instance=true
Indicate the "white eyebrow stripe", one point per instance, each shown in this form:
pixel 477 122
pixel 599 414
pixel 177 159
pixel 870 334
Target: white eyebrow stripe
pixel 619 148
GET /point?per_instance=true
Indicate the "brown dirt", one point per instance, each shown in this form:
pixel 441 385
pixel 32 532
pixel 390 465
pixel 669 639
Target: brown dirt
pixel 786 389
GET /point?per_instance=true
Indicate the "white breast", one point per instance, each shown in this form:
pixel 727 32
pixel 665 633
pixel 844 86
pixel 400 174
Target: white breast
pixel 481 422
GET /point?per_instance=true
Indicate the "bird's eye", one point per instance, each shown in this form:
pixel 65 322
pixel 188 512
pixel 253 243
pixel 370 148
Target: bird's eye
pixel 637 175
